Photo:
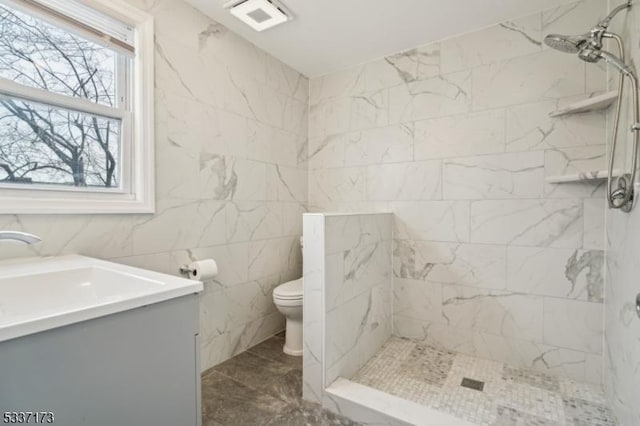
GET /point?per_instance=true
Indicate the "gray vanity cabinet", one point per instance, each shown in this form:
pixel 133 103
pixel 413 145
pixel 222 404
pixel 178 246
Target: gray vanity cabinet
pixel 135 368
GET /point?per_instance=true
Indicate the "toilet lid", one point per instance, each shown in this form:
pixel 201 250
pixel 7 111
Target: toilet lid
pixel 289 290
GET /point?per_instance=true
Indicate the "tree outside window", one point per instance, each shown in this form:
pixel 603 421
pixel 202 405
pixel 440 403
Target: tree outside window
pixel 44 144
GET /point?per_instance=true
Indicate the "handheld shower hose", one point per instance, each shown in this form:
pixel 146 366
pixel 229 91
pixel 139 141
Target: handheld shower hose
pixel 589 48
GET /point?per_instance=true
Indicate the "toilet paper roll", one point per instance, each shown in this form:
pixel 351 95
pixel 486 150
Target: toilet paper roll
pixel 202 270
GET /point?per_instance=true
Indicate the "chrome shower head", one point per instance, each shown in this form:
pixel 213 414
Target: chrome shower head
pixel 567 44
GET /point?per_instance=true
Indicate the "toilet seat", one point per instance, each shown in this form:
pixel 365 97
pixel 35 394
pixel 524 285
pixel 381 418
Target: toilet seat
pixel 289 291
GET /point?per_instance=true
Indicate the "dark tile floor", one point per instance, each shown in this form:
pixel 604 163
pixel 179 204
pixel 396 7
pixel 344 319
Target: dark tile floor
pixel 262 386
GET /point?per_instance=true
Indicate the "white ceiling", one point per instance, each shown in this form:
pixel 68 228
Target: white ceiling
pixel 329 35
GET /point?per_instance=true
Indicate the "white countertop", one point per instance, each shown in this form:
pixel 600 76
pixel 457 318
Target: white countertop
pixel 46 293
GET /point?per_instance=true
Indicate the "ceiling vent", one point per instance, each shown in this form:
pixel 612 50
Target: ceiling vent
pixel 259 14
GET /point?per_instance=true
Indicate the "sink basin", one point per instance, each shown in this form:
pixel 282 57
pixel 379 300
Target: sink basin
pixel 40 294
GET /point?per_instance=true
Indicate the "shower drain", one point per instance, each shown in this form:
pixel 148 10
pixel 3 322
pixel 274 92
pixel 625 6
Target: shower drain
pixel 472 384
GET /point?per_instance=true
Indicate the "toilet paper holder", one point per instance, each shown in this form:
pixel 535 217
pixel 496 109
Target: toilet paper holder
pixel 186 270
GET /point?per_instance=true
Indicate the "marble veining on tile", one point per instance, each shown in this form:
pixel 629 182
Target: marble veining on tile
pixel 511 396
pixel 455 138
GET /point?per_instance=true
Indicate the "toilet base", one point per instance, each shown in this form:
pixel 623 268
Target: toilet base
pixel 288 351
pixel 293 337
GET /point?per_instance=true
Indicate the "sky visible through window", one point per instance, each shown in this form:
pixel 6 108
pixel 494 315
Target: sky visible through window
pixel 41 144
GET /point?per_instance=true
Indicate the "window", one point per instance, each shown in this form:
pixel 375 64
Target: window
pixel 76 128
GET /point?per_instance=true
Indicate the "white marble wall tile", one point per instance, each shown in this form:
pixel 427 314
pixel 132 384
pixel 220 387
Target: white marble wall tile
pixel 226 134
pixel 217 42
pixel 188 187
pixel 518 175
pixel 294 117
pixel 327 151
pixel 573 324
pixel 369 110
pixel 363 268
pixel 180 225
pixel 434 97
pixel 417 299
pixel 568 161
pixel 411 65
pixel 159 262
pixel 372 76
pixel 292 218
pixel 106 236
pixel 417 64
pixel 477 265
pixel 227 178
pixel 529 127
pixel 553 223
pixel 329 117
pixel 243 95
pixel 594 369
pixel 503 41
pixel 286 80
pixel 251 220
pixel 272 145
pixel 334 287
pixel 431 220
pixel 177 113
pixel 350 207
pixel 594 224
pixel 175 72
pixel 286 183
pixel 335 85
pixel 460 135
pixel 567 273
pixel 236 306
pixel 313 307
pixel 349 348
pixel 269 257
pixel 346 232
pixel 540 76
pixel 330 185
pixel 493 311
pixel 405 181
pixel 219 347
pixel 389 144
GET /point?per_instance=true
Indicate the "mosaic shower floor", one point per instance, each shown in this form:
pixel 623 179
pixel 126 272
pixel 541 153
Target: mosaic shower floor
pixel 493 393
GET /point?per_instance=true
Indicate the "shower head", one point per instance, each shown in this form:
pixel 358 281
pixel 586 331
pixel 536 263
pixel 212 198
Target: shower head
pixel 574 44
pixel 567 44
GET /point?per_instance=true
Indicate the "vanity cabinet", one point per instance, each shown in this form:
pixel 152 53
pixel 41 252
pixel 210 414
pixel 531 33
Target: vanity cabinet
pixel 137 367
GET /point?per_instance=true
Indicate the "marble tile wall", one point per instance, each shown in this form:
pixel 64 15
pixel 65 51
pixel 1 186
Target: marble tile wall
pixel 357 291
pixel 456 140
pixel 348 295
pixel 622 326
pixel 231 131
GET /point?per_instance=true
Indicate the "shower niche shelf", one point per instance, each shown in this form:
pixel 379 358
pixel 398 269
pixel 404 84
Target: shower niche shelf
pixel 595 103
pixel 585 177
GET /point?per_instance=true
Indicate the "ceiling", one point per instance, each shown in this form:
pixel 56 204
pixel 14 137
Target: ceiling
pixel 329 35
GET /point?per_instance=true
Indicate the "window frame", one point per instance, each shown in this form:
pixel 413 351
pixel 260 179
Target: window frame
pixel 136 192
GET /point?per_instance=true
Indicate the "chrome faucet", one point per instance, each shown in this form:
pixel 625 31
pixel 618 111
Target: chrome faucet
pixel 19 236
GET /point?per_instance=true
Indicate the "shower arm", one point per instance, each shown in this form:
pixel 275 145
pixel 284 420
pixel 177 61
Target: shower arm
pixel 599 31
pixel 604 24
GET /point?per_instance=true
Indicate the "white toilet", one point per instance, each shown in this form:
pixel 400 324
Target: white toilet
pixel 288 300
